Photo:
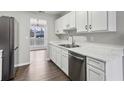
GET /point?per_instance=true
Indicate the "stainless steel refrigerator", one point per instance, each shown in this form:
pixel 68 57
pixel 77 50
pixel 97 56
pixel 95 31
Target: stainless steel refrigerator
pixel 7 44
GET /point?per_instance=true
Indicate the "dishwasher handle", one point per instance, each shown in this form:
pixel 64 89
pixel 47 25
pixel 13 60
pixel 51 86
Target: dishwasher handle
pixel 80 58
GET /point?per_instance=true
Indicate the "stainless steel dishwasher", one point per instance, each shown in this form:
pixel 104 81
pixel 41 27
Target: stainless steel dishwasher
pixel 77 67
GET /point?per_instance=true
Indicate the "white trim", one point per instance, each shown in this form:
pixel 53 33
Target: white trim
pixel 22 64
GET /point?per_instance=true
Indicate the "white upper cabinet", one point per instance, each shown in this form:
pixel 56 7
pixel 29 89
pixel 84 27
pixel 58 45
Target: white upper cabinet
pixel 69 20
pixel 87 21
pixel 98 21
pixel 81 21
pixel 112 21
pixel 59 26
pixel 65 22
pixel 95 21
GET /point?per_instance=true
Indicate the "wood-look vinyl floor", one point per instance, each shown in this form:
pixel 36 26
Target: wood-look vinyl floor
pixel 40 69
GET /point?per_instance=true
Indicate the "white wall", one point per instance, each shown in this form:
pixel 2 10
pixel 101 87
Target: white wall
pixel 23 19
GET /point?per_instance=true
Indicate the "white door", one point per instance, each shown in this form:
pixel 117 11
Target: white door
pixel 94 74
pixel 81 21
pixel 98 21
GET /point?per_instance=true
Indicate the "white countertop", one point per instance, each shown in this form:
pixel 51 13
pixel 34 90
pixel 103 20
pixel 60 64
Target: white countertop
pixel 112 56
pixel 1 53
pixel 99 51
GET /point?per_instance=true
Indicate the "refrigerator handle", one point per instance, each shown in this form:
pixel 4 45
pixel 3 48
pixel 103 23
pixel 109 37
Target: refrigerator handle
pixel 16 48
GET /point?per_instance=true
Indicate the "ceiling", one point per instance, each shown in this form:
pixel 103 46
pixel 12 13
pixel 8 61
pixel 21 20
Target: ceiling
pixel 56 13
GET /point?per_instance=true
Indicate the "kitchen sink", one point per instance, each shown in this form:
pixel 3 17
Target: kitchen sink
pixel 69 45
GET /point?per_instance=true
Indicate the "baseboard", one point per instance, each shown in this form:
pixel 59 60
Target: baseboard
pixel 22 64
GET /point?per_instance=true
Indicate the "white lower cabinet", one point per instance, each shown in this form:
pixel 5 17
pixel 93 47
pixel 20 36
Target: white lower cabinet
pixel 95 71
pixel 59 57
pixel 54 54
pixel 94 74
pixel 95 68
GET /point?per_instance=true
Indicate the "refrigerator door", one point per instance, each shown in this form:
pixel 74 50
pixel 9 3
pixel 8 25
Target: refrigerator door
pixel 4 45
pixel 11 44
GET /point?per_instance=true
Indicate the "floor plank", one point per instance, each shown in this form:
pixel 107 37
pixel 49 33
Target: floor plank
pixel 40 69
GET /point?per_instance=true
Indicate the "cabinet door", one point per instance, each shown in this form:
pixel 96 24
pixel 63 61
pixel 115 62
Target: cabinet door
pixel 58 60
pixel 112 21
pixel 0 68
pixel 81 21
pixel 50 51
pixel 94 74
pixel 53 54
pixel 64 63
pixel 57 26
pixel 69 20
pixel 98 21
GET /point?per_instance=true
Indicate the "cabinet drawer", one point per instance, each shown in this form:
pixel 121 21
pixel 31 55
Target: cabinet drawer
pixel 96 63
pixel 94 74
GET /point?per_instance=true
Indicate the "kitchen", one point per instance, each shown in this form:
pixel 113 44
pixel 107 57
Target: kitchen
pixel 83 45
pixel 103 61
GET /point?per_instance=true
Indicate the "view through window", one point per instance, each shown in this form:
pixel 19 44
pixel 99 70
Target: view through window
pixel 38 28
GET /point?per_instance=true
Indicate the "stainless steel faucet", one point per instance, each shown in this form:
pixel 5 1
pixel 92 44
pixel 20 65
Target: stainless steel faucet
pixel 73 41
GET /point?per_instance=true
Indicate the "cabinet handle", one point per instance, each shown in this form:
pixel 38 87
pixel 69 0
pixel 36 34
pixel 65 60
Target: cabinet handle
pixel 90 26
pixel 80 58
pixel 86 27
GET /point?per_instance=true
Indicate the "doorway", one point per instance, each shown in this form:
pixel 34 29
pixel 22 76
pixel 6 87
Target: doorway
pixel 38 34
